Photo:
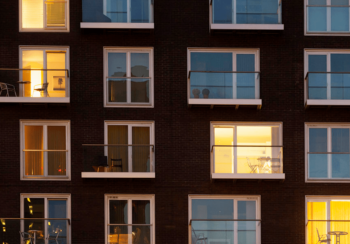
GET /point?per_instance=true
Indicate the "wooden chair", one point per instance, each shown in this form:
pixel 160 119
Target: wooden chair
pixel 323 238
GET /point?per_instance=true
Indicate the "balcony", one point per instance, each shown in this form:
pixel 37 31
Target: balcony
pixel 243 231
pixel 224 88
pixel 130 233
pixel 118 161
pixel 34 86
pixel 35 230
pixel 327 89
pixel 124 14
pixel 262 15
pixel 247 162
pixel 336 231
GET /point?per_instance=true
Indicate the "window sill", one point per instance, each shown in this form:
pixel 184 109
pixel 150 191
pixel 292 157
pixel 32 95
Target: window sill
pixel 327 33
pixel 109 105
pixel 44 30
pixel 140 175
pixel 325 102
pixel 100 25
pixel 200 101
pixel 248 176
pixel 34 99
pixel 327 181
pixel 52 178
pixel 247 27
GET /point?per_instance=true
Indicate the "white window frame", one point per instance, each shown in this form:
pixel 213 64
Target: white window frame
pixel 130 198
pixel 45 124
pixel 46 197
pixel 128 51
pixel 127 25
pixel 235 198
pixel 235 26
pixel 327 126
pixel 236 175
pixel 45 28
pixel 234 101
pixel 325 198
pixel 328 101
pixel 323 33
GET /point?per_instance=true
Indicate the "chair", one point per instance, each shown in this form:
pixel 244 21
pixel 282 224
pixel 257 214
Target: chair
pixel 7 88
pixel 54 237
pixel 251 166
pixel 42 88
pixel 119 163
pixel 26 237
pixel 323 238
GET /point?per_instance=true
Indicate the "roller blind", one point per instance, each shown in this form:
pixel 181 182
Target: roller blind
pixel 32 14
pixel 55 13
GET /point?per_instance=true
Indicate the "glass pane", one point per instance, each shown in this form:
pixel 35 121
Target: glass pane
pixel 211 61
pixel 318 165
pixel 140 11
pixel 56 80
pixel 317 81
pixel 56 140
pixel 140 235
pixel 55 13
pixel 34 140
pixel 246 82
pixel 118 212
pixel 117 90
pixel 340 162
pixel 32 14
pixel 223 156
pixel 318 140
pixel 257 11
pixel 340 15
pixel 141 154
pixel 115 10
pixel 340 62
pixel 57 209
pixel 139 65
pixel 116 64
pixel 340 140
pixel 317 16
pixel 32 59
pixel 222 11
pixel 340 210
pixel 212 209
pixel 316 211
pixel 246 229
pixel 34 208
pixel 140 90
pixel 141 212
pixel 117 155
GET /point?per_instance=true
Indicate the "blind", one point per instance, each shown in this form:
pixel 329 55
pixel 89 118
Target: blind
pixel 32 14
pixel 55 13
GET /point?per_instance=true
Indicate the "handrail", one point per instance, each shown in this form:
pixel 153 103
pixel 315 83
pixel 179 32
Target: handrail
pixel 37 150
pixel 36 219
pixel 220 72
pixel 212 148
pixel 110 77
pixel 312 220
pixel 129 224
pixel 343 6
pixel 15 69
pixel 328 152
pixel 253 220
pixel 307 74
pixel 119 145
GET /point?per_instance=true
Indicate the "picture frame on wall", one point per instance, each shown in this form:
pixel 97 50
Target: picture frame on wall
pixel 59 83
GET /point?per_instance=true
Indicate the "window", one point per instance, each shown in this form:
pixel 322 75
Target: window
pixel 44 15
pixel 325 216
pixel 327 17
pixel 223 77
pixel 129 219
pixel 46 215
pixel 118 14
pixel 225 219
pixel 327 77
pixel 247 150
pixel 45 150
pixel 328 150
pixel 128 77
pixel 246 14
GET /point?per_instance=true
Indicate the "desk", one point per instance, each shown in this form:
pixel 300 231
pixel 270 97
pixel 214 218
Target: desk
pixel 40 232
pixel 337 234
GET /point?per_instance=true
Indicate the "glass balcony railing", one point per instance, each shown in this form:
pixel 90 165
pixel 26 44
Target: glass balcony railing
pixel 34 85
pixel 112 11
pixel 335 231
pixel 135 234
pixel 243 231
pixel 128 90
pixel 328 19
pixel 248 159
pixel 327 165
pixel 35 230
pixel 118 158
pixel 328 85
pixel 224 85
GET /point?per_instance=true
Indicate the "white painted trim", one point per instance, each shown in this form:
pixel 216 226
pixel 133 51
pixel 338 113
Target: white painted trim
pixel 225 101
pixel 102 25
pixel 34 100
pixel 248 176
pixel 327 102
pixel 118 175
pixel 247 26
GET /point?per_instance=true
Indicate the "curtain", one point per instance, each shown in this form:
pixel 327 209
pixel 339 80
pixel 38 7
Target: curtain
pixel 55 13
pixel 118 134
pixel 27 77
pixel 140 154
pixel 33 139
pixel 118 214
pixel 141 215
pixel 340 210
pixel 276 161
pixel 56 140
pixel 32 14
pixel 316 211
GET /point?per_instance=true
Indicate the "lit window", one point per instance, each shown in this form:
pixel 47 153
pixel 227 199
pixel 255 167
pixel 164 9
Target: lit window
pixel 44 15
pixel 128 77
pixel 130 219
pixel 225 219
pixel 327 17
pixel 45 150
pixel 328 155
pixel 328 219
pixel 247 150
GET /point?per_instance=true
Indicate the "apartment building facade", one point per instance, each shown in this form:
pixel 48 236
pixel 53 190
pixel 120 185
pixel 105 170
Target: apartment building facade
pixel 146 121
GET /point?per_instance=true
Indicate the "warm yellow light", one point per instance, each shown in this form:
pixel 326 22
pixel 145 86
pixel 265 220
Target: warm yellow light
pixel 4 229
pixel 31 225
pixel 49 223
pixel 32 14
pixel 28 199
pixel 3 222
pixel 224 155
pixel 31 212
